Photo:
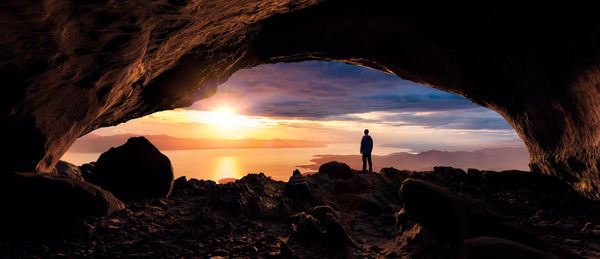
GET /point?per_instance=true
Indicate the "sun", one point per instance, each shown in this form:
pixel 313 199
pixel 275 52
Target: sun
pixel 226 118
pixel 225 110
pixel 223 121
pixel 227 123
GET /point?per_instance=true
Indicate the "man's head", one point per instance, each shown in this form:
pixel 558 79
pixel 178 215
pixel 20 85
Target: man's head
pixel 366 132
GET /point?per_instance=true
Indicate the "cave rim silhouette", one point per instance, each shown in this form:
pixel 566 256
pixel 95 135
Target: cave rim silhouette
pixel 566 147
pixel 396 80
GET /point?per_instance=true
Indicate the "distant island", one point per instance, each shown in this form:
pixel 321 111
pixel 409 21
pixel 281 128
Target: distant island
pixel 93 143
pixel 488 159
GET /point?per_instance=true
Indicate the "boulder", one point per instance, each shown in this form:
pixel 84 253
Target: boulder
pixel 134 170
pixel 306 228
pixel 37 204
pixel 434 206
pixel 336 169
pixel 319 226
pixel 458 218
pixel 299 189
pixel 87 170
pixel 302 193
pixel 493 247
pixel 334 233
pixel 67 169
pixel 255 196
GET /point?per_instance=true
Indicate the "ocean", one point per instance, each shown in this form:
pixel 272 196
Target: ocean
pixel 216 164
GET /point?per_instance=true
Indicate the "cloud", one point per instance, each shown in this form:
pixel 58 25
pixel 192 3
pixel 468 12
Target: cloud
pixel 331 90
pixel 476 118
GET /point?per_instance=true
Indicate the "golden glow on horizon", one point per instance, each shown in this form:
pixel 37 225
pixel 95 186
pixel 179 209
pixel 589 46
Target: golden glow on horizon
pixel 226 167
pixel 222 116
pixel 224 123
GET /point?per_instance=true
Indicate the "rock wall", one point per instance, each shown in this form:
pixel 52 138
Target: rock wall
pixel 70 67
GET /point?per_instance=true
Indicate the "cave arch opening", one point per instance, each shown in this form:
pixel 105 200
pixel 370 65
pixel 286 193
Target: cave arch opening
pixel 274 118
pixel 540 74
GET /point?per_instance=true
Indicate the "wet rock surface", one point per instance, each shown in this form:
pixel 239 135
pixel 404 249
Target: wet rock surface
pixel 308 217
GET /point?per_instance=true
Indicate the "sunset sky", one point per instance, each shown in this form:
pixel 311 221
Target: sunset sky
pixel 331 102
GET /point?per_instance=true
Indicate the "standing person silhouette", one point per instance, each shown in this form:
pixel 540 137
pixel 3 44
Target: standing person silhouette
pixel 366 146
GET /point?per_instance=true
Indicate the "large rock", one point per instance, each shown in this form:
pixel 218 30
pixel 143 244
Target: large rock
pixel 73 66
pixel 336 169
pixel 254 196
pixel 67 169
pixel 134 170
pixel 457 218
pixel 434 206
pixel 319 230
pixel 299 189
pixel 38 204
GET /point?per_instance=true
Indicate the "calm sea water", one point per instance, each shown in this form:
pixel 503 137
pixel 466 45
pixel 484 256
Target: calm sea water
pixel 216 164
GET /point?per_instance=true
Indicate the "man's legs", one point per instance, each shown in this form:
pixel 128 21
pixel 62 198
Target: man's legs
pixel 370 163
pixel 364 157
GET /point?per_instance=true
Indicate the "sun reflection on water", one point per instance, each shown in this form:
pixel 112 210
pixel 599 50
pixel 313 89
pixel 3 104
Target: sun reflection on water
pixel 227 167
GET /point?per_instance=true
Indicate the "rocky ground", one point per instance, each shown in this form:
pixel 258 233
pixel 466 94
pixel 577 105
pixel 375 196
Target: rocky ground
pixel 341 213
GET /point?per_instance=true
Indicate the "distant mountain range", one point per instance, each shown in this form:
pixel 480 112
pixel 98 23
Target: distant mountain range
pixel 92 143
pixel 487 159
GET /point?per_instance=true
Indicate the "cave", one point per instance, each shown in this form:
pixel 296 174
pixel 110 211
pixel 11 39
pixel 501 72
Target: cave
pixel 70 67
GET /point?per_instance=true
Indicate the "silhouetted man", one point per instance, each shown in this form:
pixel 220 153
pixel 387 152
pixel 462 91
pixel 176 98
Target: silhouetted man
pixel 366 146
